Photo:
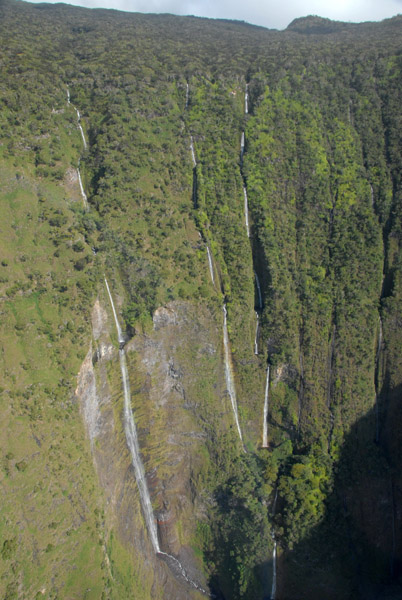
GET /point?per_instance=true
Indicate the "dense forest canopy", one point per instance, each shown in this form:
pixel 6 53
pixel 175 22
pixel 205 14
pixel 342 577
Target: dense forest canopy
pixel 199 164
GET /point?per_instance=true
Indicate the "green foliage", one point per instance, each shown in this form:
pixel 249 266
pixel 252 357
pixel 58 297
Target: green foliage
pixel 323 172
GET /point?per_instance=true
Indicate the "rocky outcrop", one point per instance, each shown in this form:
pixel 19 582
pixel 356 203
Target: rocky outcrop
pixel 170 435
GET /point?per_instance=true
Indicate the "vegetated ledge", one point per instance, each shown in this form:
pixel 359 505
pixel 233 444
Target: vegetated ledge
pixel 313 24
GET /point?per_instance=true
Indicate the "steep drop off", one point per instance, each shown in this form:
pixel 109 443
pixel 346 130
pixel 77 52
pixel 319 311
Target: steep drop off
pixel 240 190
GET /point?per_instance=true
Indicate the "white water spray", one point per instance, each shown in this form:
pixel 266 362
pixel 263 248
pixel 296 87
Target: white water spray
pixel 132 442
pixel 257 281
pixel 211 267
pixel 246 211
pixel 273 589
pixel 83 194
pixel 80 128
pixel 242 145
pixel 265 414
pixel 78 119
pixel 192 151
pixel 246 100
pixel 131 436
pixel 256 334
pixel 228 372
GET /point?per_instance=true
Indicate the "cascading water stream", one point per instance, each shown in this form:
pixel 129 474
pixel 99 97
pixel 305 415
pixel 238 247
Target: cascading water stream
pixel 132 442
pixel 246 211
pixel 192 151
pixel 80 128
pixel 265 413
pixel 211 266
pixel 83 194
pixel 256 334
pixel 131 436
pixel 242 145
pixel 228 372
pixel 246 100
pixel 78 119
pixel 257 281
pixel 273 589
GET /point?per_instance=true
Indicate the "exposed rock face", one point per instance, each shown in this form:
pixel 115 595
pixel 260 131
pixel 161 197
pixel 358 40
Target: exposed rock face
pixel 86 391
pixel 169 432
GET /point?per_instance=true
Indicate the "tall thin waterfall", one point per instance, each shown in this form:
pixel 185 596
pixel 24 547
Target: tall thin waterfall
pixel 211 267
pixel 242 145
pixel 246 211
pixel 78 119
pixel 131 437
pixel 246 100
pixel 265 414
pixel 192 151
pixel 83 194
pixel 257 281
pixel 80 128
pixel 273 589
pixel 256 334
pixel 228 372
pixel 132 442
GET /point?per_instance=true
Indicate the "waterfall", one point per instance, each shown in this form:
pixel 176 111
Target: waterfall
pixel 256 334
pixel 265 414
pixel 80 128
pixel 83 194
pixel 211 267
pixel 246 210
pixel 192 151
pixel 78 119
pixel 246 100
pixel 228 372
pixel 273 589
pixel 242 145
pixel 257 281
pixel 116 320
pixel 131 437
pixel 187 92
pixel 132 442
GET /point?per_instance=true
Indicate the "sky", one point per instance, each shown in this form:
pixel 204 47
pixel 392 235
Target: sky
pixel 268 13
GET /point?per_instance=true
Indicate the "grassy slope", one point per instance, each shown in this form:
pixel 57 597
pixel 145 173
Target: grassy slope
pixel 307 166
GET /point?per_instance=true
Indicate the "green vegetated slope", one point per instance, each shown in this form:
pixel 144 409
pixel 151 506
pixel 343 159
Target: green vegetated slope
pixel 322 171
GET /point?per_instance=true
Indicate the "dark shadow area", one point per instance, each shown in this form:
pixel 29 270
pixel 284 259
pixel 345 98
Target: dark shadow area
pixel 355 553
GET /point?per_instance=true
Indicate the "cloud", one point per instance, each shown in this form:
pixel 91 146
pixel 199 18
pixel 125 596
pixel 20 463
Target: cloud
pixel 269 13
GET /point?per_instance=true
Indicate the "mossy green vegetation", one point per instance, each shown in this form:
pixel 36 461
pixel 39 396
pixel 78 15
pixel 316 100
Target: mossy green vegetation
pixel 322 171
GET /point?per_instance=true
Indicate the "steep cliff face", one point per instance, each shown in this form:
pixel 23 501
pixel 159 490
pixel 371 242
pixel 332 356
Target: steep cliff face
pixel 240 190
